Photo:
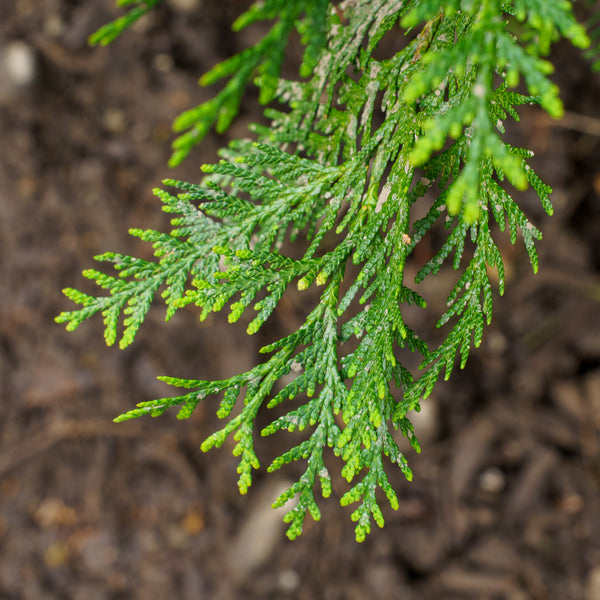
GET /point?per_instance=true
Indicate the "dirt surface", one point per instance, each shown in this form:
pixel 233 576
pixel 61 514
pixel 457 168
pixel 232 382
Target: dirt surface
pixel 505 500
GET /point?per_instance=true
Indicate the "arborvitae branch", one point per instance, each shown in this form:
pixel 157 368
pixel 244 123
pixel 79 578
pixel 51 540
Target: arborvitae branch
pixel 359 142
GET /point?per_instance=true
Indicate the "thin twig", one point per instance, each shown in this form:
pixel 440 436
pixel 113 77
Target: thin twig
pixel 30 447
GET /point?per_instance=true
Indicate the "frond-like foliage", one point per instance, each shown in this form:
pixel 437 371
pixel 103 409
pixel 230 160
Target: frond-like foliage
pixel 360 141
pixel 261 63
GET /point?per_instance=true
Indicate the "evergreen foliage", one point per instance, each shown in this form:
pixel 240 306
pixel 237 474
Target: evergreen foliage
pixel 593 27
pixel 358 142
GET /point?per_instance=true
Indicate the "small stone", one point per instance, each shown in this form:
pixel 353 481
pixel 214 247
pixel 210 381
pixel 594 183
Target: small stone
pixel 260 533
pixel 492 480
pixel 497 343
pixel 54 26
pixel 426 421
pixel 17 70
pixel 19 61
pixel 114 120
pixel 163 62
pixel 288 581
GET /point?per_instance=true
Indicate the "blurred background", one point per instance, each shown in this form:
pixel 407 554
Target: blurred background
pixel 505 501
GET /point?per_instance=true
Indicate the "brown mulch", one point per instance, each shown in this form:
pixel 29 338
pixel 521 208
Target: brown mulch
pixel 505 500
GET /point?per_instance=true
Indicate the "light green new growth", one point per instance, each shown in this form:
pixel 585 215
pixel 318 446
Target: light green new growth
pixel 359 141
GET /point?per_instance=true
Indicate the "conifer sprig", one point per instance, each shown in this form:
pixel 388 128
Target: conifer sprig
pixel 360 143
pixel 260 63
pixel 109 32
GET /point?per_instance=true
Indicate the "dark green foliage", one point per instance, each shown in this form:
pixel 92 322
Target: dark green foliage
pixel 261 62
pixel 358 143
pixel 593 27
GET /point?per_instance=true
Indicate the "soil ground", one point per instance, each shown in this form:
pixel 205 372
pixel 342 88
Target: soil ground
pixel 505 500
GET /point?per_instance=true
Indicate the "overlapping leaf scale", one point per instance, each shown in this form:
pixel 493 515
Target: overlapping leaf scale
pixel 319 365
pixel 288 193
pixel 364 491
pixel 132 293
pixel 314 124
pixel 261 62
pixel 489 49
pixel 470 301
